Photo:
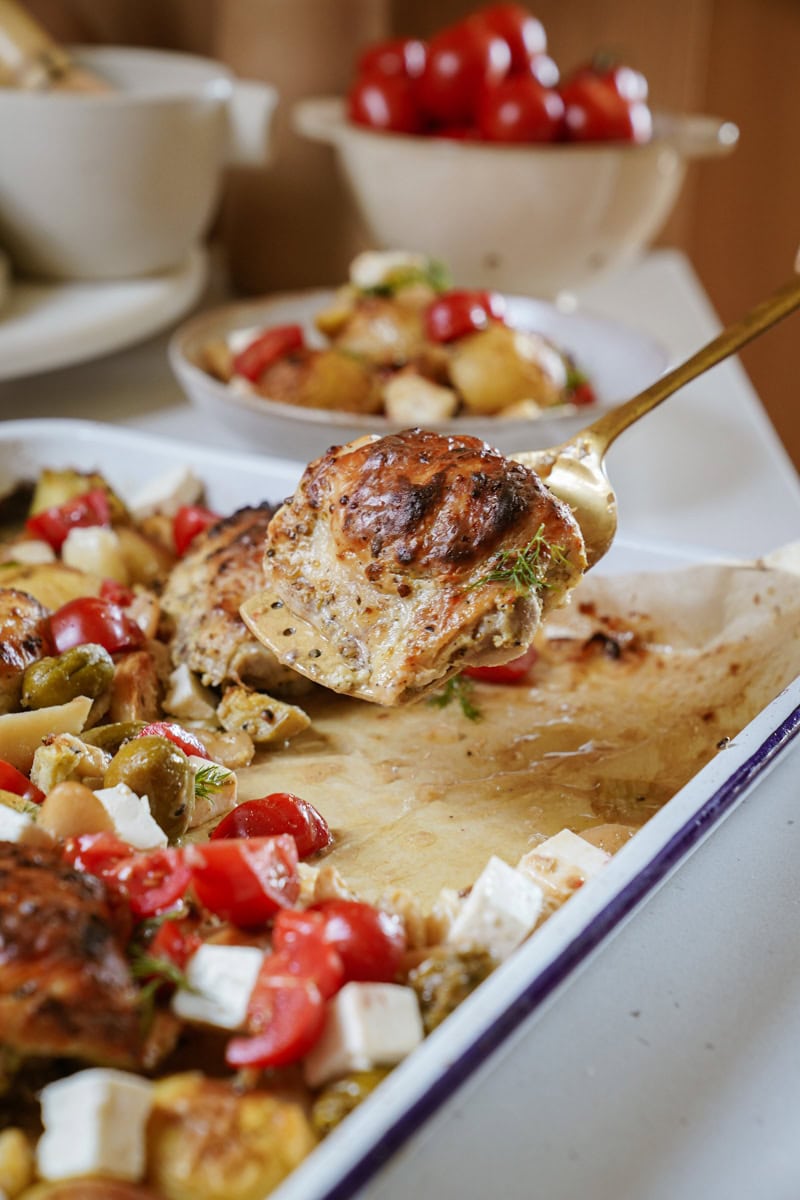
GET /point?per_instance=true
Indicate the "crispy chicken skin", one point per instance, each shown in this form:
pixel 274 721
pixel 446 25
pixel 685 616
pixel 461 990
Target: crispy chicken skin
pixel 23 640
pixel 65 987
pixel 203 595
pixel 390 549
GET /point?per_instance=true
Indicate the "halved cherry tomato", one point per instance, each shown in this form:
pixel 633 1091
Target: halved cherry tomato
pixel 287 1015
pixel 298 937
pixel 189 520
pixel 403 56
pixel 188 742
pixel 595 112
pixel 384 102
pixel 455 314
pixel 280 812
pixel 247 880
pixel 150 882
pixel 12 780
pixel 519 109
pixel 92 619
pixel 520 29
pixel 117 593
pixel 462 61
pixel 53 524
pixel 96 853
pixel 175 941
pixel 371 943
pixel 583 393
pixel 510 672
pixel 266 349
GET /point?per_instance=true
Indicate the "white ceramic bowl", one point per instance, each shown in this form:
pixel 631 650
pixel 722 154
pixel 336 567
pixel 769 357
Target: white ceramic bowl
pixel 619 361
pixel 123 183
pixel 532 219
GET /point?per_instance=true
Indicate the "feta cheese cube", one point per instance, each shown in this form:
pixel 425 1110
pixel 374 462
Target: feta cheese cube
pixel 95 550
pixel 562 864
pixel 31 551
pixel 500 911
pixel 221 979
pixel 217 796
pixel 374 267
pixel 187 698
pixel 131 817
pixel 20 827
pixel 94 1124
pixel 367 1025
pixel 166 494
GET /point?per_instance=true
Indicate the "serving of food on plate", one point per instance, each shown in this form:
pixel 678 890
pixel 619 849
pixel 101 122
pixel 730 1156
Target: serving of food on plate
pixel 233 900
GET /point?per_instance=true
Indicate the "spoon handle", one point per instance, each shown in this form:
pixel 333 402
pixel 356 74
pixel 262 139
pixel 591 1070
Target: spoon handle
pixel 606 429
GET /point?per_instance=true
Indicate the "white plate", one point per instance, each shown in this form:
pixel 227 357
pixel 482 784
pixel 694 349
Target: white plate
pixel 48 325
pixel 618 359
pixel 518 992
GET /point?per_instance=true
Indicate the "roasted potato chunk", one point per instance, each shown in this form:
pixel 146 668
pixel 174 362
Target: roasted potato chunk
pixel 498 367
pixel 326 379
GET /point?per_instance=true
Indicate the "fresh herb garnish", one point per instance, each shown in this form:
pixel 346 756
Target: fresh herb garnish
pixel 156 972
pixel 525 569
pixel 209 780
pixel 434 274
pixel 460 689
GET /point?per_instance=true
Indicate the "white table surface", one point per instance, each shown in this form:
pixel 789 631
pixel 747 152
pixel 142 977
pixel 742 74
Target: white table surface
pixel 669 1069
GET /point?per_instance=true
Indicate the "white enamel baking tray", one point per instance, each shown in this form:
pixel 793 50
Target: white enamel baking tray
pixel 392 1139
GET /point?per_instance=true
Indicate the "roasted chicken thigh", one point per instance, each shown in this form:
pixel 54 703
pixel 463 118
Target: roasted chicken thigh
pixel 402 559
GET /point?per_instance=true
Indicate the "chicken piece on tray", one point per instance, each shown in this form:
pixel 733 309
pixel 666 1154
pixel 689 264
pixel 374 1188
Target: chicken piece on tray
pixel 203 595
pixel 23 640
pixel 402 559
pixel 65 986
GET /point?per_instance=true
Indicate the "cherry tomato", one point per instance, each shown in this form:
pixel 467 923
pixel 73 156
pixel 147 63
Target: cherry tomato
pixel 287 1015
pixel 175 941
pixel 371 943
pixel 151 882
pixel 384 102
pixel 583 393
pixel 188 742
pixel 595 112
pixel 628 83
pixel 117 593
pixel 281 812
pixel 298 936
pixel 188 522
pixel 544 68
pixel 266 349
pixel 510 672
pixel 457 133
pixel 12 780
pixel 92 619
pixel 96 853
pixel 520 29
pixel 519 109
pixel 456 313
pixel 462 61
pixel 53 524
pixel 403 56
pixel 247 880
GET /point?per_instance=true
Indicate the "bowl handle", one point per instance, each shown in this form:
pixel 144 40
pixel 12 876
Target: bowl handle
pixel 319 118
pixel 250 108
pixel 702 136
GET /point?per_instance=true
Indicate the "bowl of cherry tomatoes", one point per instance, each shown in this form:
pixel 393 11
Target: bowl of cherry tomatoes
pixel 473 146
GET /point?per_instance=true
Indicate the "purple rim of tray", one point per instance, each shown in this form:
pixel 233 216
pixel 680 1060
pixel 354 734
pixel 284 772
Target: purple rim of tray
pixel 718 805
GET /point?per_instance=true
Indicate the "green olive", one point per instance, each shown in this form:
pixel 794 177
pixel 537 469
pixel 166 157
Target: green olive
pixel 111 737
pixel 82 671
pixel 338 1099
pixel 155 767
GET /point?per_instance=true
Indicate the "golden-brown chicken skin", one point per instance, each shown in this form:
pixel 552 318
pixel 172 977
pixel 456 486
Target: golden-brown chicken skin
pixel 23 640
pixel 411 556
pixel 65 986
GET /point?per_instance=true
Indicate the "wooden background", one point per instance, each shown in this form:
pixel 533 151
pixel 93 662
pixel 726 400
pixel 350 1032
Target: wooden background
pixel 737 219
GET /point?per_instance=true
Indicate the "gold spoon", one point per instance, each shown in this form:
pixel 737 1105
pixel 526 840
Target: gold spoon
pixel 575 471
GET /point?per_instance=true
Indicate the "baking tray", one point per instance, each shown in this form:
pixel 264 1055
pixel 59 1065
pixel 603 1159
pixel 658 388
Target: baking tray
pixel 519 991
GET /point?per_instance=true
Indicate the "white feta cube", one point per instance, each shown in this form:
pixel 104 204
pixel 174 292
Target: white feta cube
pixel 499 912
pixel 33 551
pixel 216 794
pixel 372 268
pixel 221 979
pixel 187 698
pixel 131 817
pixel 562 864
pixel 21 828
pixel 97 551
pixel 166 494
pixel 94 1124
pixel 367 1025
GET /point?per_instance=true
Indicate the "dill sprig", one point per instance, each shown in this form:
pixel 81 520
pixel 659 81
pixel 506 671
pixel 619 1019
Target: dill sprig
pixel 460 689
pixel 209 780
pixel 156 972
pixel 435 274
pixel 525 570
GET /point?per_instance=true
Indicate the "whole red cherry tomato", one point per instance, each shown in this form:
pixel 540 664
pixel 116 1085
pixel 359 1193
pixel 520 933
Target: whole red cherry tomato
pixel 266 349
pixel 280 812
pixel 544 68
pixel 371 943
pixel 457 313
pixel 188 522
pixel 523 32
pixel 519 109
pixel 91 619
pixel 246 880
pixel 404 56
pixel 462 61
pixel 116 592
pixel 510 672
pixel 628 83
pixel 184 739
pixel 384 102
pixel 53 524
pixel 595 112
pixel 12 780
